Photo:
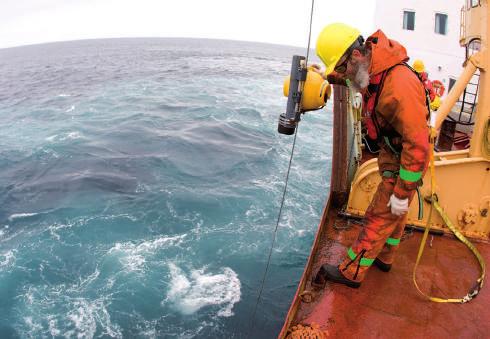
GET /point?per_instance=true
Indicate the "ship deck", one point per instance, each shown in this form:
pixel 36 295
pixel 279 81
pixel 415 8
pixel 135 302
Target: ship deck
pixel 388 304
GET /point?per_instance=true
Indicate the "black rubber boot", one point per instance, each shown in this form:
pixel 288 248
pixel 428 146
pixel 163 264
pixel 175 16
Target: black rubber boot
pixel 382 266
pixel 332 273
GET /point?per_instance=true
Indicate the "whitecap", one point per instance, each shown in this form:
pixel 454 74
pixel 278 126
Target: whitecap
pixel 50 152
pixel 190 293
pixel 149 245
pixel 51 138
pixel 56 227
pixel 70 109
pixel 21 215
pixel 7 258
pixel 64 95
pixel 73 135
pixel 133 256
pixel 70 136
pixel 141 188
pixel 66 136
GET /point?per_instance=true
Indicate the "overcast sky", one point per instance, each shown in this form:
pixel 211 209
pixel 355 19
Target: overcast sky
pixel 275 21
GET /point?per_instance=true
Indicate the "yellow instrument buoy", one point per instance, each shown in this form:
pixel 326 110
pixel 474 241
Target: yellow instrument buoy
pixel 316 91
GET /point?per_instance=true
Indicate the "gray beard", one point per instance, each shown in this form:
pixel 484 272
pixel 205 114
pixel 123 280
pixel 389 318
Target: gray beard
pixel 361 80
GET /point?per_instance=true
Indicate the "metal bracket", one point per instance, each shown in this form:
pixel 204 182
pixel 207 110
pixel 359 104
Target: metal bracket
pixel 478 59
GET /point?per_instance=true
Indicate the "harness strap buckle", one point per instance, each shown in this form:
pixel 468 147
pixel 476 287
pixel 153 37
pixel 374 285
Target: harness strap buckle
pixel 471 295
pixel 473 291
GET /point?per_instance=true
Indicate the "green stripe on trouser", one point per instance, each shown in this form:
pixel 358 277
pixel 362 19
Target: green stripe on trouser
pixel 363 262
pixel 409 175
pixel 393 241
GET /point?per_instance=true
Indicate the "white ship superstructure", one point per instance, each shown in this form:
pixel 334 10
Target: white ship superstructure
pixel 430 30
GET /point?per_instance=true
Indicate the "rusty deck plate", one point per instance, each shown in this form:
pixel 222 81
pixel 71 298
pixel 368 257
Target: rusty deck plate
pixel 388 304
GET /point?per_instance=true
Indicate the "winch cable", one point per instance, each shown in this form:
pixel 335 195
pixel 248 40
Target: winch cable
pixel 309 33
pixel 284 191
pixel 275 232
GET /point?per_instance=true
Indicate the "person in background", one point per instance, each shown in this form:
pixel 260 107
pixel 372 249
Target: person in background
pixel 435 100
pixel 395 101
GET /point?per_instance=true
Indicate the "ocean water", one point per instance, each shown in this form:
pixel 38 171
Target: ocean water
pixel 140 183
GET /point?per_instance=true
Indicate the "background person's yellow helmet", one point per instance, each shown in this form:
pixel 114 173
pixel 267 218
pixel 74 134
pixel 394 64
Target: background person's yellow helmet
pixel 419 66
pixel 436 103
pixel 333 41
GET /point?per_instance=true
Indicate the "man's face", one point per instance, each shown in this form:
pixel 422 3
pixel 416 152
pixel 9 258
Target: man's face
pixel 354 67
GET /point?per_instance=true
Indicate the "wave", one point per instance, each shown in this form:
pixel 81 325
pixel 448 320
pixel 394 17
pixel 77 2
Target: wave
pixel 133 256
pixel 66 136
pixel 15 216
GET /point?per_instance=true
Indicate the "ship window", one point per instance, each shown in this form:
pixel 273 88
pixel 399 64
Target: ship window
pixel 472 3
pixel 452 81
pixel 409 20
pixel 441 24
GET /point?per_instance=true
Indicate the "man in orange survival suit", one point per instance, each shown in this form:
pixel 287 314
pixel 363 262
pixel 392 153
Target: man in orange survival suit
pixel 398 102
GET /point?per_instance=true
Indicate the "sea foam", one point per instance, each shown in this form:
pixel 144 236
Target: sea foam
pixel 189 293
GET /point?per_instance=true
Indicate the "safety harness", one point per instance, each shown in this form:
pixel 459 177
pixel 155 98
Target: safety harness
pixel 371 99
pixel 374 130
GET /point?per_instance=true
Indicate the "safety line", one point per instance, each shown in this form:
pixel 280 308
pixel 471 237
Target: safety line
pixel 475 289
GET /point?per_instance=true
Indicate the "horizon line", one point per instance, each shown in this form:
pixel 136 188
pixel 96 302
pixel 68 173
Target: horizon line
pixel 149 37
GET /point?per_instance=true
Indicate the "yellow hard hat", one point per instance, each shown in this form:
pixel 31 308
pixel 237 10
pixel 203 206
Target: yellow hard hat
pixel 333 41
pixel 316 91
pixel 419 66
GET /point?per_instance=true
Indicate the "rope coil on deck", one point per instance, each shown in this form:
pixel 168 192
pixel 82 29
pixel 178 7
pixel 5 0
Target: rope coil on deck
pixel 312 331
